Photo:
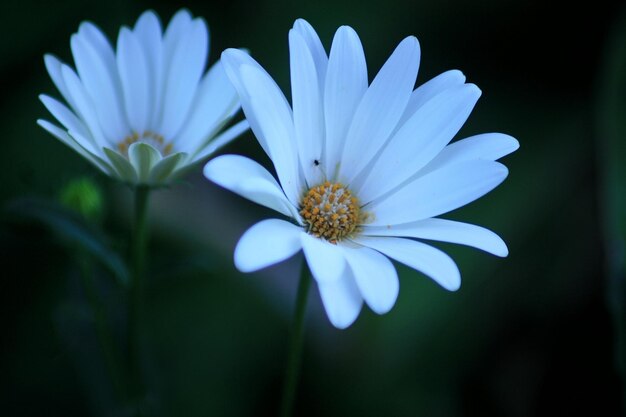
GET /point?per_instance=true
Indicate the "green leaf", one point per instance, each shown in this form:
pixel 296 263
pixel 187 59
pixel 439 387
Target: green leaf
pixel 72 229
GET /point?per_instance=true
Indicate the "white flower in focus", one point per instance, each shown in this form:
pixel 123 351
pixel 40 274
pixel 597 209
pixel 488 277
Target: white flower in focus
pixel 146 111
pixel 362 170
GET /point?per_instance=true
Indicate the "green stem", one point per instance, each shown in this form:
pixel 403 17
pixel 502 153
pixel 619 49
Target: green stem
pixel 109 353
pixel 135 308
pixel 295 344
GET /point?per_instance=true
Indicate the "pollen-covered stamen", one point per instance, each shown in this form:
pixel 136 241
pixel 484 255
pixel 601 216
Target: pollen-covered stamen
pixel 154 139
pixel 330 211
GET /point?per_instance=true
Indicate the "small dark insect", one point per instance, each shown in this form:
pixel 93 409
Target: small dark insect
pixel 316 162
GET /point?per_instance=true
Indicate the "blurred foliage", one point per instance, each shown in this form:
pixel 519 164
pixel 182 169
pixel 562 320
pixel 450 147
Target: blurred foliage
pixel 528 335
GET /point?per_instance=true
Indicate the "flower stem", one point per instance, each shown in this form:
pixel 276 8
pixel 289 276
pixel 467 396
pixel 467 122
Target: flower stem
pixel 135 299
pixel 295 344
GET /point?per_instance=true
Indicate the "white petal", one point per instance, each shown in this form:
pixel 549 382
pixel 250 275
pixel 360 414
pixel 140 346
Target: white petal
pixel 53 66
pixel 69 120
pixel 439 192
pixel 221 140
pixel 187 62
pixel 426 259
pixel 267 243
pixel 103 87
pixel 76 145
pixel 133 69
pixel 215 102
pixel 326 260
pixel 445 231
pixel 91 34
pixel 83 105
pixel 487 146
pixel 342 300
pixel 375 276
pixel 247 178
pixel 307 108
pixel 315 46
pixel 273 114
pixel 430 89
pixel 149 34
pixel 421 138
pixel 346 82
pixel 381 108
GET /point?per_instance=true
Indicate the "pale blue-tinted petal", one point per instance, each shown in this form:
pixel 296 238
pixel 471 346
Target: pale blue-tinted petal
pixel 221 140
pixel 428 90
pixel 315 46
pixel 439 192
pixel 445 231
pixel 132 65
pixel 341 299
pixel 187 62
pixel 215 101
pixel 375 276
pixel 69 120
pixel 53 66
pixel 424 258
pixel 346 82
pixel 307 108
pixel 326 260
pixel 149 34
pixel 247 178
pixel 103 86
pixel 273 114
pixel 380 109
pixel 487 146
pixel 267 243
pixel 421 138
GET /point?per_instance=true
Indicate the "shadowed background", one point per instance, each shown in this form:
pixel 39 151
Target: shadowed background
pixel 528 335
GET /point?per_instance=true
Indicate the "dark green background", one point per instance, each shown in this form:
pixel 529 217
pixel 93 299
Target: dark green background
pixel 528 335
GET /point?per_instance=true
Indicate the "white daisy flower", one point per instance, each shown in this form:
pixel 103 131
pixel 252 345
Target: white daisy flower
pixel 362 170
pixel 146 111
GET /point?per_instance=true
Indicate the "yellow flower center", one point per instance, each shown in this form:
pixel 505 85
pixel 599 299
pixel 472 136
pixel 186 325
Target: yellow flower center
pixel 330 211
pixel 154 139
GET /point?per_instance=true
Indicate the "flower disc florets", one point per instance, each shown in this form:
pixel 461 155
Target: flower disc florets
pixel 330 211
pixel 154 139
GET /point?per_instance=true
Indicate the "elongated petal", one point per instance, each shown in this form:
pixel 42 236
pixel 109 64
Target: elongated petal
pixel 315 46
pixel 346 82
pixel 428 90
pixel 76 145
pixel 421 138
pixel 426 259
pixel 149 34
pixel 69 120
pixel 273 114
pixel 267 243
pixel 213 105
pixel 381 108
pixel 445 231
pixel 342 299
pixel 307 108
pixel 187 62
pixel 487 146
pixel 438 192
pixel 133 69
pixel 325 259
pixel 375 276
pixel 247 178
pixel 221 140
pixel 102 85
pixel 53 66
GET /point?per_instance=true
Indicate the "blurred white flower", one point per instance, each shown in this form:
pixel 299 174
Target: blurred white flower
pixel 146 111
pixel 361 169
